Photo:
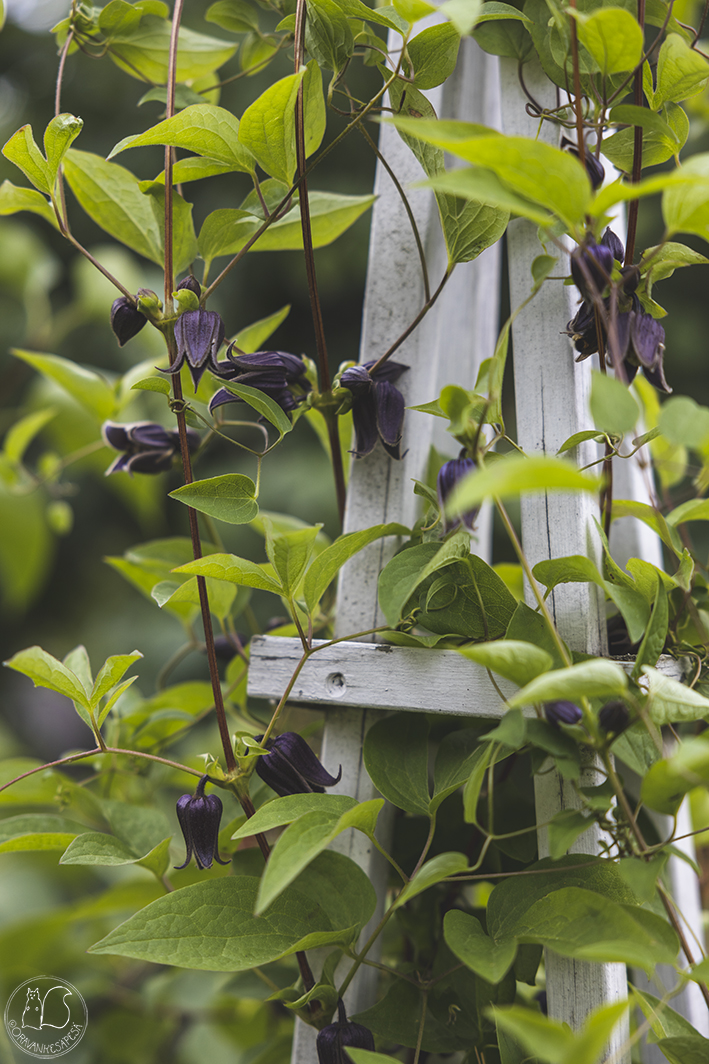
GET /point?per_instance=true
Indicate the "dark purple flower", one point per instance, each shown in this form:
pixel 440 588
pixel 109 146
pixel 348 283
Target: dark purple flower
pixel 126 320
pixel 562 712
pixel 198 334
pixel 333 1040
pixel 613 718
pixel 591 266
pixel 199 815
pixel 291 767
pixel 146 446
pixel 448 476
pixel 594 167
pixel 277 374
pixel 226 647
pixel 377 406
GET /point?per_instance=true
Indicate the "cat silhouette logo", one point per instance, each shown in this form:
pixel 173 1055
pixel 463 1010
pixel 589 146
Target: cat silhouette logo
pixel 46 1017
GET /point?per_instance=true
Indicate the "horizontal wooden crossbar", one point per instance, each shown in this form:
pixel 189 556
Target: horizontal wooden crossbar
pixel 380 676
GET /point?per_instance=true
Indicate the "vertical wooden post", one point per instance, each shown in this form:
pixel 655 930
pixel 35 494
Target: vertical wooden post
pixel 552 402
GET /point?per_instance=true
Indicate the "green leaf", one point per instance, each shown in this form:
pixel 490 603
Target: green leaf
pixel 252 337
pixel 289 553
pixel 158 860
pixel 230 498
pixel 591 679
pixel 685 205
pixel 328 36
pixel 671 702
pixel 144 52
pixel 681 71
pixel 211 926
pixel 613 408
pixel 511 477
pixel 152 384
pixel 19 436
pixel 37 832
pixel 59 135
pixel 614 39
pixel 654 640
pixel 413 10
pixel 467 940
pixel 516 661
pixel 289 808
pixel 111 673
pixel 433 54
pixel 564 829
pixel 21 149
pixel 685 1049
pixel 396 758
pixel 473 786
pixel 13 199
pixel 236 570
pixel 237 16
pixel 263 404
pixel 299 844
pixel 326 566
pixel 221 595
pixel 406 570
pixel 667 781
pixel 87 387
pixel 314 110
pixel 204 129
pixel 267 128
pixel 692 510
pixel 683 421
pixel 358 9
pixel 184 241
pixel 96 848
pixel 111 196
pixel 536 171
pixel 457 755
pixel 45 671
pixel 438 868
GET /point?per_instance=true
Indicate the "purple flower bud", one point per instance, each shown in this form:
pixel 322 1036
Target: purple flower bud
pixel 147 447
pixel 448 476
pixel 126 320
pixel 198 334
pixel 275 373
pixel 562 712
pixel 192 284
pixel 199 815
pixel 614 718
pixel 610 240
pixel 291 767
pixel 333 1040
pixel 591 266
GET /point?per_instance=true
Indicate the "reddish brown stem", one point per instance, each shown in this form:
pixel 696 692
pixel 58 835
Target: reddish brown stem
pixel 637 154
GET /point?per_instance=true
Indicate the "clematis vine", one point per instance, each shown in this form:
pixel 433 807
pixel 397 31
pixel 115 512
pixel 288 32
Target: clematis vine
pixel 198 334
pixel 146 446
pixel 291 767
pixel 377 406
pixel 640 337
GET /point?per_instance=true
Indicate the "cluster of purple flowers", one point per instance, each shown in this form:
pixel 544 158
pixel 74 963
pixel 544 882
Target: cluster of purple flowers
pixel 145 446
pixel 640 338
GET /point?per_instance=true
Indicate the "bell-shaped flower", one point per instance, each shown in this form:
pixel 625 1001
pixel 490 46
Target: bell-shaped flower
pixel 377 406
pixel 334 1039
pixel 198 334
pixel 199 815
pixel 126 319
pixel 592 264
pixel 146 446
pixel 448 476
pixel 291 767
pixel 277 374
pixel 562 712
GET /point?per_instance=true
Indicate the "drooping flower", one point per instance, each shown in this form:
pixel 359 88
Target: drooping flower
pixel 377 406
pixel 562 712
pixel 198 334
pixel 613 718
pixel 448 476
pixel 333 1040
pixel 640 339
pixel 277 374
pixel 147 447
pixel 291 767
pixel 199 815
pixel 594 167
pixel 126 320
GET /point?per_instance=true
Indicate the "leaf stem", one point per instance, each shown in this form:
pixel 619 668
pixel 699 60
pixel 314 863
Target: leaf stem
pixel 417 320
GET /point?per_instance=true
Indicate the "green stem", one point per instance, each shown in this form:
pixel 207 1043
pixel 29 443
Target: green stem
pixel 107 750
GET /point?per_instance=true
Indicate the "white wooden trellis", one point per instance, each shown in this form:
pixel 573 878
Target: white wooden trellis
pixel 356 681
